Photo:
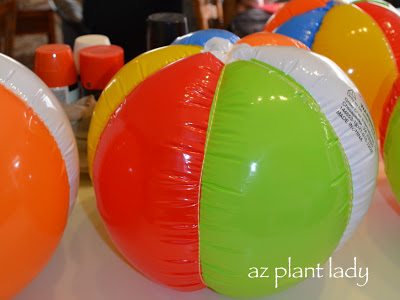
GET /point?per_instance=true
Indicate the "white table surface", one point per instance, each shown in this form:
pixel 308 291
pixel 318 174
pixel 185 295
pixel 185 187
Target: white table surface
pixel 87 266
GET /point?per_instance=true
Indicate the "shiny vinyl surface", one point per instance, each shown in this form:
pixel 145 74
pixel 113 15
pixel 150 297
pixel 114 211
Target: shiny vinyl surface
pixel 390 142
pixel 271 39
pixel 148 195
pixel 309 22
pixel 391 151
pixel 361 37
pixel 254 166
pixel 266 133
pixel 34 194
pixel 124 82
pixel 201 37
pixel 290 9
pixel 387 111
pixel 374 80
pixel 39 172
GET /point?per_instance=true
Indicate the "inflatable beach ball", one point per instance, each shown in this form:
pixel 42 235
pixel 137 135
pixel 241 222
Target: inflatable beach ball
pixel 38 175
pixel 361 37
pixel 201 37
pixel 390 138
pixel 208 163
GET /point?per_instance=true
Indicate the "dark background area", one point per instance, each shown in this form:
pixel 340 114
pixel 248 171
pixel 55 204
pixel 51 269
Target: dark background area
pixel 124 21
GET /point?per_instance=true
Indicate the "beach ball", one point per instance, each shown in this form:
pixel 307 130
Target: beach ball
pixel 38 176
pixel 201 37
pixel 390 138
pixel 361 37
pixel 207 163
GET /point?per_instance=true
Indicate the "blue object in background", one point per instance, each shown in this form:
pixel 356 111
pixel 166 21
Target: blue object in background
pixel 304 27
pixel 201 37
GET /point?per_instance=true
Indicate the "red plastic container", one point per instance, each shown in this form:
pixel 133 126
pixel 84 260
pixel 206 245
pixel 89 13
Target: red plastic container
pixel 98 64
pixel 55 65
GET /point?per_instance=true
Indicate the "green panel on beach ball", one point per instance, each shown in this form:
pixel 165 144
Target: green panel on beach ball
pixel 275 183
pixel 392 151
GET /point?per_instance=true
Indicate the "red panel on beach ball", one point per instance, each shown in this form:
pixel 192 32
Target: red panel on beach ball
pixel 155 140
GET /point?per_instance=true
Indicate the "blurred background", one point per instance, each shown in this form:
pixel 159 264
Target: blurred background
pixel 27 24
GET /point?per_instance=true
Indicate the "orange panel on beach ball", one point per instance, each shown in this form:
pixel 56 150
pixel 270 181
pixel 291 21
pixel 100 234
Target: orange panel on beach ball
pixel 34 194
pixel 272 39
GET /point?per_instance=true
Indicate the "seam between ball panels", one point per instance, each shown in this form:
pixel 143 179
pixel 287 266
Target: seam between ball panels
pixel 211 119
pixel 109 108
pixel 351 192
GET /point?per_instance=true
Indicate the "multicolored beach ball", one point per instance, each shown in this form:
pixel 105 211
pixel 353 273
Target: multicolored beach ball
pixel 361 37
pixel 39 175
pixel 209 161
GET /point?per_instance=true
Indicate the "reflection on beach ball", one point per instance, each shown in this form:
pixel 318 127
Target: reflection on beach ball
pixel 38 175
pixel 361 37
pixel 208 162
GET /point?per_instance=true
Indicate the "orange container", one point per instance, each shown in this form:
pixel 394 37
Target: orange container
pixel 54 64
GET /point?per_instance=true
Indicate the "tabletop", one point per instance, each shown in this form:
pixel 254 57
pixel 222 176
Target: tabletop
pixel 88 266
